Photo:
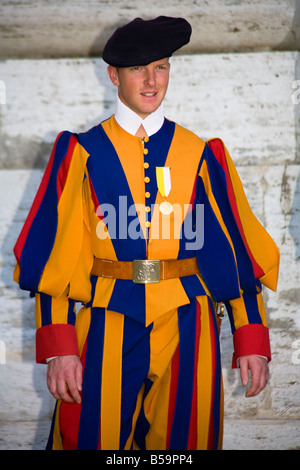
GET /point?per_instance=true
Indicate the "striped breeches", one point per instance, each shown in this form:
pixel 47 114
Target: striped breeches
pixel 155 388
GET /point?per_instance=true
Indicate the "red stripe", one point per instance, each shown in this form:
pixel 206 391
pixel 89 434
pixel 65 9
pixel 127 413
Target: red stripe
pixel 35 206
pixel 99 440
pixel 192 440
pixel 173 393
pixel 216 146
pixel 69 417
pixel 211 432
pixel 64 167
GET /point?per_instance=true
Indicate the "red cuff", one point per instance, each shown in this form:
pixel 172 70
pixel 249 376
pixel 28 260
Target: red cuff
pixel 251 339
pixel 55 340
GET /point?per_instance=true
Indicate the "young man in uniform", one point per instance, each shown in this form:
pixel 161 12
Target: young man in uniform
pixel 148 227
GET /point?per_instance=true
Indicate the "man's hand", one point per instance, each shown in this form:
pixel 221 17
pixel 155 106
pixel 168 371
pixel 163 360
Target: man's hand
pixel 64 378
pixel 259 372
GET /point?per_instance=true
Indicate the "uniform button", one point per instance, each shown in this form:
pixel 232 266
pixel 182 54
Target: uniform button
pixel 146 151
pixel 148 224
pixel 146 165
pixel 148 209
pixel 147 179
pixel 150 240
pixel 147 194
pixel 146 139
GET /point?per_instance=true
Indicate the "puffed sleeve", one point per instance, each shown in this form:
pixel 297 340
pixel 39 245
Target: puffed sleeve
pixel 256 254
pixel 53 254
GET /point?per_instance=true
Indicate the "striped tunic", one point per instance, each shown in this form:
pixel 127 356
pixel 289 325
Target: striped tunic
pixel 150 352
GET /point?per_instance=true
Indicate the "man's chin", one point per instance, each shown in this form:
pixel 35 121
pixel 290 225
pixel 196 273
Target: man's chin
pixel 149 109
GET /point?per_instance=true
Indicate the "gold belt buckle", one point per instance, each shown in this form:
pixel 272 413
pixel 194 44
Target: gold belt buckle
pixel 146 271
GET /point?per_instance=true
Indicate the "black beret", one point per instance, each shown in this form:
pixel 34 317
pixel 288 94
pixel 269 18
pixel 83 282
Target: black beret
pixel 141 42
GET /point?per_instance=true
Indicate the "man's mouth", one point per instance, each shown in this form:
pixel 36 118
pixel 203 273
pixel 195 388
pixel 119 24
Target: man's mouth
pixel 149 94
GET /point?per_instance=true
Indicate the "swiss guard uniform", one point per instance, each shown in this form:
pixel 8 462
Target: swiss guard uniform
pixel 130 248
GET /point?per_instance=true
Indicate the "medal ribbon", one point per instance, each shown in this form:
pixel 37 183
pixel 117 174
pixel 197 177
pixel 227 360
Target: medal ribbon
pixel 163 178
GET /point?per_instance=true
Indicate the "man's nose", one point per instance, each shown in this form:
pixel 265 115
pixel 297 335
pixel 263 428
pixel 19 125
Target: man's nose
pixel 150 79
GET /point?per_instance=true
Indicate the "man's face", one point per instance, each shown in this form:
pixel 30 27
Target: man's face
pixel 142 88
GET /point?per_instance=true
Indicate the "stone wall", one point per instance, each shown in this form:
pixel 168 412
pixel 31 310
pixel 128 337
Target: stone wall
pixel 39 29
pixel 239 79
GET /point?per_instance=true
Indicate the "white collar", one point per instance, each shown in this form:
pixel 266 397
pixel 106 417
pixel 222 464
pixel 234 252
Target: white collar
pixel 130 121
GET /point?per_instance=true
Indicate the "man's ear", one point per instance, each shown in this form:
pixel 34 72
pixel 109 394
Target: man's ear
pixel 113 75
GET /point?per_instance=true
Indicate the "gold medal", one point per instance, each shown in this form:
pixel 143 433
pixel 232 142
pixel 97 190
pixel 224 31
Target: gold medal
pixel 166 208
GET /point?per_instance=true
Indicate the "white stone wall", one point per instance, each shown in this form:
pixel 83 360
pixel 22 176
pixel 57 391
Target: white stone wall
pixel 249 99
pixel 73 28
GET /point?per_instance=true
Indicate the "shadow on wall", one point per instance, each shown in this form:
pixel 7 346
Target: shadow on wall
pixel 292 39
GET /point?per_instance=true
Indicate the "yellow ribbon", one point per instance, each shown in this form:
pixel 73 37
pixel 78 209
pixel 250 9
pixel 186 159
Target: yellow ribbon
pixel 163 178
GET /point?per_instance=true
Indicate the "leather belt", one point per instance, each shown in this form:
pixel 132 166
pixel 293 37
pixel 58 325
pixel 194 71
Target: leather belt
pixel 145 271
